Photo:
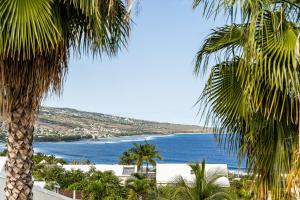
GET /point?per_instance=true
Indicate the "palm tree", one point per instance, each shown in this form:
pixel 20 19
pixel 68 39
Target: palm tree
pixel 253 89
pixel 127 158
pixel 36 40
pixel 145 153
pixel 203 188
pixel 140 188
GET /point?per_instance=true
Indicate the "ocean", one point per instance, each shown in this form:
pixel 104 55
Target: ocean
pixel 175 148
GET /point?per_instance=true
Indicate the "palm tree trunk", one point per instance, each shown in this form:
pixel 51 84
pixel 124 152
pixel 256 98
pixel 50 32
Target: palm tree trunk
pixel 299 126
pixel 18 167
pixel 262 193
pixel 296 181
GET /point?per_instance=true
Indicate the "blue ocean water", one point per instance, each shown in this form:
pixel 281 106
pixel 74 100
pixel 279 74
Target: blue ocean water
pixel 177 148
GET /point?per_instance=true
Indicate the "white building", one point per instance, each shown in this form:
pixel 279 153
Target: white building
pixel 39 193
pixel 167 173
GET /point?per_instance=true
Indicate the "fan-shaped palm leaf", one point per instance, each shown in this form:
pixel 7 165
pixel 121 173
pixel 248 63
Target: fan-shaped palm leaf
pixel 36 38
pixel 226 40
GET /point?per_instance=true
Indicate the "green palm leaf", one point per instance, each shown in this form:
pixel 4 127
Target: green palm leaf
pixel 27 28
pixel 226 40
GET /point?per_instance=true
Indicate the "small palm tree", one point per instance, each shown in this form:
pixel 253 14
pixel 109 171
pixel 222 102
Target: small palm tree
pixel 140 188
pixel 203 187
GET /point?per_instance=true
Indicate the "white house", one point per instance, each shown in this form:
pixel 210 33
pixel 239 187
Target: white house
pixel 39 193
pixel 167 173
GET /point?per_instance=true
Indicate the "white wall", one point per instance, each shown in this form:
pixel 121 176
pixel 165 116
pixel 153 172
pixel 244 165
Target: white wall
pixel 2 165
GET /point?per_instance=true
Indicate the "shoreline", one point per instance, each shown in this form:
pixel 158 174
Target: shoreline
pixel 119 136
pixel 123 136
pixel 80 138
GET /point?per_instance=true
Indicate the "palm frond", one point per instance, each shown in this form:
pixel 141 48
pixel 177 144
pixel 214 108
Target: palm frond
pixel 97 26
pixel 223 101
pixel 245 9
pixel 227 41
pixel 26 28
pixel 271 71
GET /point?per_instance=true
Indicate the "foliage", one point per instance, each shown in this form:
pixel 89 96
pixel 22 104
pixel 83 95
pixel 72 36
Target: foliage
pixel 49 159
pixel 141 188
pixel 36 41
pixel 127 158
pixel 203 188
pixel 140 154
pixel 242 188
pixel 43 165
pixel 253 90
pixel 3 153
pixel 98 185
pixel 94 185
pixel 38 45
pixel 81 162
pixel 51 185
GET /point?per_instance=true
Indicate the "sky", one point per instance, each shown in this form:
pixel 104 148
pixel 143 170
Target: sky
pixel 152 78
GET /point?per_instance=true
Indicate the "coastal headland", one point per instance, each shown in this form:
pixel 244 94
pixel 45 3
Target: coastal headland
pixel 65 124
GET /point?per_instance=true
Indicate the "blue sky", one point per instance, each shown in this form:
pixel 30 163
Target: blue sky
pixel 153 78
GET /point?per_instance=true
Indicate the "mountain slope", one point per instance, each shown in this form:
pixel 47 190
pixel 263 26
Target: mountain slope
pixel 63 124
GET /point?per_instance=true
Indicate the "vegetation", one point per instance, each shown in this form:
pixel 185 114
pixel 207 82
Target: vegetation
pixel 140 154
pixel 81 162
pixel 141 188
pixel 105 185
pixel 93 184
pixel 3 153
pixel 253 90
pixel 36 39
pixel 96 185
pixel 202 188
pixel 127 158
pixel 65 124
pixel 48 159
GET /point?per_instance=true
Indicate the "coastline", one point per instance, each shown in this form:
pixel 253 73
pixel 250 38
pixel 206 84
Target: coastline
pixel 79 138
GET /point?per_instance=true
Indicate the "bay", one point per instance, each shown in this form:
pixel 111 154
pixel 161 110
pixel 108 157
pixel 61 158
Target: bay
pixel 175 148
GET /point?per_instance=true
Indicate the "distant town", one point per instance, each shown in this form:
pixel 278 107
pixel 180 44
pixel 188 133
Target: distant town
pixel 65 124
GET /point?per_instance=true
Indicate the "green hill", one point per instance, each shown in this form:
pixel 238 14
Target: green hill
pixel 65 124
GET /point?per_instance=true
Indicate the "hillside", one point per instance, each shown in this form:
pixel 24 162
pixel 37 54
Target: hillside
pixel 65 124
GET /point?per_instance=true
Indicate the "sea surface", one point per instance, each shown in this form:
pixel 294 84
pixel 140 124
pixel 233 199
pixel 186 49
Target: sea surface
pixel 175 148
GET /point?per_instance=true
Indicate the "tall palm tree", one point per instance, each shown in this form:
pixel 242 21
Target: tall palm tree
pixel 145 153
pixel 150 155
pixel 203 187
pixel 253 90
pixel 36 39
